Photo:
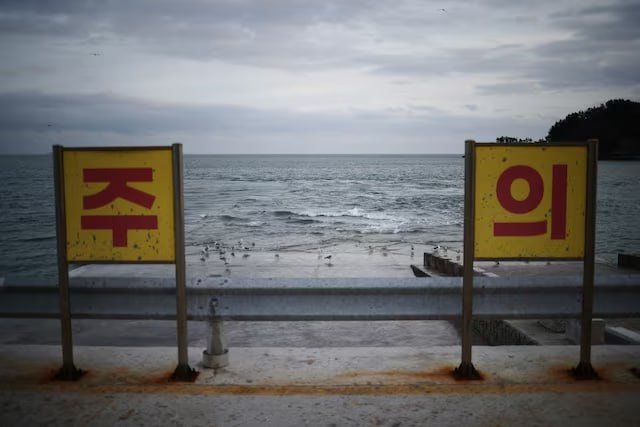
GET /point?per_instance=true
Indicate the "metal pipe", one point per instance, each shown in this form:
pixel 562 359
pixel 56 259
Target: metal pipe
pixel 68 371
pixel 584 368
pixel 216 354
pixel 466 369
pixel 183 372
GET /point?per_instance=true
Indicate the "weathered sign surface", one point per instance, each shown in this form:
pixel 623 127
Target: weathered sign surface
pixel 119 205
pixel 530 201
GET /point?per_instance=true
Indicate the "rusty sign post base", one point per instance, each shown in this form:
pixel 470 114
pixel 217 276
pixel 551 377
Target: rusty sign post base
pixel 584 371
pixel 69 373
pixel 466 371
pixel 184 372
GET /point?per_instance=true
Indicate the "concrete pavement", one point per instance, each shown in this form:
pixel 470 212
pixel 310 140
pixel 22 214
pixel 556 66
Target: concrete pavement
pixel 384 386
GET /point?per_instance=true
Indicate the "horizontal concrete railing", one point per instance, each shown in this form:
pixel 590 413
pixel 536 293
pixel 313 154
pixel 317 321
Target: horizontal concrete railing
pixel 323 299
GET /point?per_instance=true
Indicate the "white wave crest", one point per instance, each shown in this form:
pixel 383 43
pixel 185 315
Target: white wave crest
pixel 354 212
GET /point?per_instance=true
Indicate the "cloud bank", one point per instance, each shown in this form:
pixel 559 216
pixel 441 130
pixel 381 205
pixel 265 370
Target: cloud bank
pixel 306 77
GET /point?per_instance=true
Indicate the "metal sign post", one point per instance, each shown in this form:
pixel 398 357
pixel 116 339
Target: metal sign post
pixel 529 202
pixel 584 369
pixel 120 205
pixel 68 372
pixel 182 372
pixel 466 369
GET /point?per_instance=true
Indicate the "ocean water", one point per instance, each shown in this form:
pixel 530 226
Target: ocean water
pixel 300 203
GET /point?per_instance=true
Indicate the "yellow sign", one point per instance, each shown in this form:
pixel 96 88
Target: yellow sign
pixel 530 201
pixel 119 205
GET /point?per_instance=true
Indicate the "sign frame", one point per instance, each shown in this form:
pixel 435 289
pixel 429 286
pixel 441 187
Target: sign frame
pixel 472 199
pixel 121 149
pixel 68 371
pixel 584 369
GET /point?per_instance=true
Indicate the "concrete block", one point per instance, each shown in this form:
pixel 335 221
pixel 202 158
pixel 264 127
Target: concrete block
pixel 574 328
pixel 629 261
pixel 622 335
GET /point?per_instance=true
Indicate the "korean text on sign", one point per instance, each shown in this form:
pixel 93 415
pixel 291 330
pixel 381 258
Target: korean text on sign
pixel 119 205
pixel 530 201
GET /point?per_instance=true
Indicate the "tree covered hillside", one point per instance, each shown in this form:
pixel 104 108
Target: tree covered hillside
pixel 616 124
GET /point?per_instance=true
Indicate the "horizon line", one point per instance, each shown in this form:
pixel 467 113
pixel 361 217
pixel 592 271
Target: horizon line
pixel 269 154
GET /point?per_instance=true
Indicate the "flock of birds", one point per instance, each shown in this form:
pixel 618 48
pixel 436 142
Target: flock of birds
pixel 226 253
pixel 223 249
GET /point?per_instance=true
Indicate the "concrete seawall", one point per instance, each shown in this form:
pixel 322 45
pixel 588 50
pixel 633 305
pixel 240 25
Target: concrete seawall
pixel 539 331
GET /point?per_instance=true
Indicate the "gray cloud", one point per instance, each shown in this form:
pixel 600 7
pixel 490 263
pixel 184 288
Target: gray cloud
pixel 32 122
pixel 273 33
pixel 288 33
pixel 617 21
pixel 601 51
pixel 401 50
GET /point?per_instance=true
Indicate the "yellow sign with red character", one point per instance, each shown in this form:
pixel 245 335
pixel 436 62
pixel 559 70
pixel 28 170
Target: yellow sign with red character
pixel 119 205
pixel 530 201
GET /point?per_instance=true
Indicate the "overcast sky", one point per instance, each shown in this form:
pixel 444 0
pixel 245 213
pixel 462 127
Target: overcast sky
pixel 287 76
